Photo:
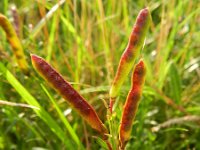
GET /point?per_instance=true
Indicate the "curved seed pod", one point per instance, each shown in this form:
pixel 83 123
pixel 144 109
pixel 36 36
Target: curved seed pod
pixel 14 42
pixel 131 105
pixel 127 60
pixel 75 100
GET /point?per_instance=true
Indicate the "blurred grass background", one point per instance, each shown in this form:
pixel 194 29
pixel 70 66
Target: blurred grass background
pixel 83 40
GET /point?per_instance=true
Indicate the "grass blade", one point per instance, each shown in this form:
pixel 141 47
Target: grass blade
pixel 63 118
pixel 32 101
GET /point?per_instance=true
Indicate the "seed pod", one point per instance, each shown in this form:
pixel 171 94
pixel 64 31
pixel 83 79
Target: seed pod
pixel 16 20
pixel 131 105
pixel 127 60
pixel 15 43
pixel 75 100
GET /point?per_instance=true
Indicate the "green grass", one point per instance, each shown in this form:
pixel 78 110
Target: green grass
pixel 84 41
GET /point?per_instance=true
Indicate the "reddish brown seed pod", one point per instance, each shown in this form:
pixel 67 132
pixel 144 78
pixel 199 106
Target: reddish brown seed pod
pixel 84 109
pixel 131 105
pixel 127 60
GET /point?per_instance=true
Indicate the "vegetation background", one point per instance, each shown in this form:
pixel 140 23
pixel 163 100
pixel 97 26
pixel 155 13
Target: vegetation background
pixel 83 40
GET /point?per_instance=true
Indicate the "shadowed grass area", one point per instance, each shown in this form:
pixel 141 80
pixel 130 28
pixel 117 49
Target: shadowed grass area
pixel 84 41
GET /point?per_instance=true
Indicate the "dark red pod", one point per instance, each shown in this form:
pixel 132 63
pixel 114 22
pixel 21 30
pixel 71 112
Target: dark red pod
pixel 131 105
pixel 127 60
pixel 84 109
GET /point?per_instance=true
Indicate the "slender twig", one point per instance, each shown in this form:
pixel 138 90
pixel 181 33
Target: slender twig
pixel 181 120
pixel 109 145
pixel 3 102
pixel 86 136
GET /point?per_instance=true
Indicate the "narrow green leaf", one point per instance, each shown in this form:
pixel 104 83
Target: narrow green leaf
pixel 32 101
pixel 102 143
pixel 62 117
pixel 51 40
pixel 175 83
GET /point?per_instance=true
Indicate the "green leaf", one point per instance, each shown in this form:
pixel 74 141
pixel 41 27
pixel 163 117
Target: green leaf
pixel 44 115
pixel 102 143
pixel 175 84
pixel 62 117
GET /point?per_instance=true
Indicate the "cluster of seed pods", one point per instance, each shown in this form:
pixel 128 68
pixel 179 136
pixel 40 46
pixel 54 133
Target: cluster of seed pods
pixel 84 109
pixel 14 42
pixel 126 63
pixel 127 60
pixel 131 104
